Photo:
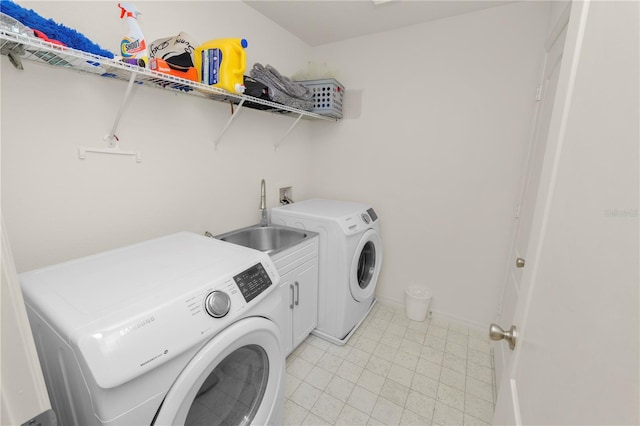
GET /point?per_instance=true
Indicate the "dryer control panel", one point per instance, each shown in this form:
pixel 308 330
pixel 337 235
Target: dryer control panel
pixel 358 222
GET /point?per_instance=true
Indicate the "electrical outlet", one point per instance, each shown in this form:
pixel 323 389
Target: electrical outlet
pixel 286 195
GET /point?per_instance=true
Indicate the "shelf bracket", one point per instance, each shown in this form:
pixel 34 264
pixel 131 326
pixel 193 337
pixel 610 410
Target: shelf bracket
pixel 112 136
pixel 295 123
pixel 226 127
pixel 113 147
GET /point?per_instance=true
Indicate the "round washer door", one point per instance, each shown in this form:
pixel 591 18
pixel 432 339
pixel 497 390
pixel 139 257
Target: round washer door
pixel 365 266
pixel 235 379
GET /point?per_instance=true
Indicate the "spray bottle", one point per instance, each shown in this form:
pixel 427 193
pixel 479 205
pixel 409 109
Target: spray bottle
pixel 132 47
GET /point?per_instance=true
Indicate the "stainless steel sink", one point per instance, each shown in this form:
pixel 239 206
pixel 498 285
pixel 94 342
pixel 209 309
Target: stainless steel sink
pixel 269 239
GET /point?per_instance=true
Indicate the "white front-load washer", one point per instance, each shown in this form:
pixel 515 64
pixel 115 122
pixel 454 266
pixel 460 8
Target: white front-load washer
pixel 350 259
pixel 179 330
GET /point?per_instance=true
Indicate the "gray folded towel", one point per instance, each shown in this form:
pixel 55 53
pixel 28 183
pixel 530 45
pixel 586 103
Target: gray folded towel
pixel 282 89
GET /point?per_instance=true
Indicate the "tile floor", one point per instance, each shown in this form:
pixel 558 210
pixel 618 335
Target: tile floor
pixel 393 371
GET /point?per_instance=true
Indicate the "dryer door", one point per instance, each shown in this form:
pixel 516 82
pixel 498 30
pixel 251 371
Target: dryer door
pixel 365 266
pixel 235 379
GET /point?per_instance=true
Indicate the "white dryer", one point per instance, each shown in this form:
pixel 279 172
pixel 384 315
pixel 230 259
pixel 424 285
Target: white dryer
pixel 350 258
pixel 180 330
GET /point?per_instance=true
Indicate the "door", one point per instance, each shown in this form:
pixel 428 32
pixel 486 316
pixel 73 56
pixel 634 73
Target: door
pixel 517 258
pixel 24 393
pixel 235 379
pixel 576 354
pixel 365 266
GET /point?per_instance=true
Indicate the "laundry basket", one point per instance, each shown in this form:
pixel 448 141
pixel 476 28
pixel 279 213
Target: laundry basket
pixel 327 96
pixel 417 300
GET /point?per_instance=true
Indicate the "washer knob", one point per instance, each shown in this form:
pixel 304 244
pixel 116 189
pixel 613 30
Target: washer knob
pixel 365 217
pixel 217 304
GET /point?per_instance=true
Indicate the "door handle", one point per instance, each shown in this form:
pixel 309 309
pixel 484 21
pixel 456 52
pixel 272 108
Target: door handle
pixel 497 333
pixel 291 288
pixel 297 293
pixel 519 262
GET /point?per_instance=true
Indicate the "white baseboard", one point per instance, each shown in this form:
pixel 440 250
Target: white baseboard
pixel 390 302
pixel 437 314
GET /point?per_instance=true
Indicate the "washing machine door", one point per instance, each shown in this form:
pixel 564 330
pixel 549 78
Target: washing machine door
pixel 235 379
pixel 365 266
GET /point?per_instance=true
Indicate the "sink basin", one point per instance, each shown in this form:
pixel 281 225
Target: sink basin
pixel 269 239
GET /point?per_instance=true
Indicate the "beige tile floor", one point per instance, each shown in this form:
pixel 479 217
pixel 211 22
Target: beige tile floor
pixel 393 371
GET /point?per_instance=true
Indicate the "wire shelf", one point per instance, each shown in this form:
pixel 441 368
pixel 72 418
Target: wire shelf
pixel 22 47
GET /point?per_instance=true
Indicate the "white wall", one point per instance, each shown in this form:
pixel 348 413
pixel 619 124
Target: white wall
pixel 446 113
pixel 446 116
pixel 58 207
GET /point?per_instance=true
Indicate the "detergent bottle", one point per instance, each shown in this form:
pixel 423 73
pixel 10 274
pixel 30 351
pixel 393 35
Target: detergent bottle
pixel 221 63
pixel 132 46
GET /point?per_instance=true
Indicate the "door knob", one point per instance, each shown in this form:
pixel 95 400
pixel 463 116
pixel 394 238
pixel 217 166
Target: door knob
pixel 519 262
pixel 497 333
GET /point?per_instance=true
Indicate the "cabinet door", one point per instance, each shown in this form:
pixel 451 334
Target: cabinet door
pixel 305 309
pixel 286 290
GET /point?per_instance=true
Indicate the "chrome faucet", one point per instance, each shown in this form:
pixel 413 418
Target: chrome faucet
pixel 263 204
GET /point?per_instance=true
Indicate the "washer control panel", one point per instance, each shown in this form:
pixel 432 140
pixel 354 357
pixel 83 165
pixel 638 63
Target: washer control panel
pixel 252 281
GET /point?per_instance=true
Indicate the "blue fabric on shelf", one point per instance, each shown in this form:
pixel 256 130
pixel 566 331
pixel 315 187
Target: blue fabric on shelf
pixel 52 29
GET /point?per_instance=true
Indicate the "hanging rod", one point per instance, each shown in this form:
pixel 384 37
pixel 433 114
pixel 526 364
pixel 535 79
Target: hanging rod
pixel 113 147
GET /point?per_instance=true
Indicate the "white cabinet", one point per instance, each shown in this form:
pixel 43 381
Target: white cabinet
pixel 299 292
pixel 298 289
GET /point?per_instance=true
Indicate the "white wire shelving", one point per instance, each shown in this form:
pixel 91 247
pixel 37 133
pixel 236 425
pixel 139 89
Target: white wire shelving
pixel 20 47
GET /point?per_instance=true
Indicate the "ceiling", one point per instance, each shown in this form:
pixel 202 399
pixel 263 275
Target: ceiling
pixel 326 21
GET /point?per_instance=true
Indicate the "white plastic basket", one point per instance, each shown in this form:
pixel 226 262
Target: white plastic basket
pixel 327 96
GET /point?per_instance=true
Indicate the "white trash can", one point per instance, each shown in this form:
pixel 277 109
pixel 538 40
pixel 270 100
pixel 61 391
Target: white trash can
pixel 417 300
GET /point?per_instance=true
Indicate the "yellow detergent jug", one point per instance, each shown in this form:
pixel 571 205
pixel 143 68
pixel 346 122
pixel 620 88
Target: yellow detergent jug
pixel 221 63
